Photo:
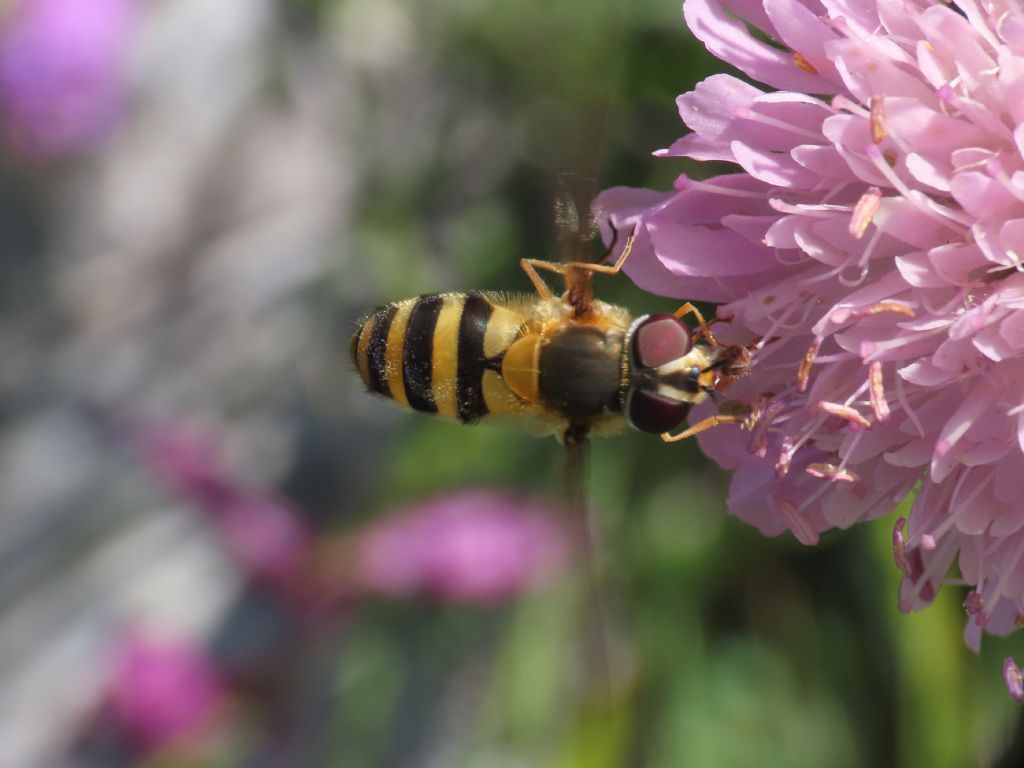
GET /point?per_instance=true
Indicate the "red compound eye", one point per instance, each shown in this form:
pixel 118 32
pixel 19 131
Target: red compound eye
pixel 660 339
pixel 650 412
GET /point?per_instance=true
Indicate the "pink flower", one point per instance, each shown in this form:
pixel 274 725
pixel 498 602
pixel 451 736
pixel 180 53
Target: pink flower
pixel 163 690
pixel 474 546
pixel 186 459
pixel 260 529
pixel 871 243
pixel 60 79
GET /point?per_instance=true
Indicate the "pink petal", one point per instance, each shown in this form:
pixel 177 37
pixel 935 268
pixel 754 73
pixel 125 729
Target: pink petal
pixel 729 40
pixel 774 168
pixel 974 404
pixel 711 108
pixel 933 134
pixel 982 196
pixel 803 31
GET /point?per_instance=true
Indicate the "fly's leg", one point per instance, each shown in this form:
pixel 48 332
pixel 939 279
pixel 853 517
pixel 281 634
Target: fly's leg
pixel 530 267
pixel 705 329
pixel 733 412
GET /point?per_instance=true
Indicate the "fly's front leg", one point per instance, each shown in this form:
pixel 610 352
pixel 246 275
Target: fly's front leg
pixel 577 287
pixel 530 267
pixel 607 269
pixel 733 412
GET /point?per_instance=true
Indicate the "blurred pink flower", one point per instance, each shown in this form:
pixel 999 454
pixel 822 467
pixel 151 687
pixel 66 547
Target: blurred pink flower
pixel 186 460
pixel 163 690
pixel 60 72
pixel 873 239
pixel 262 530
pixel 475 546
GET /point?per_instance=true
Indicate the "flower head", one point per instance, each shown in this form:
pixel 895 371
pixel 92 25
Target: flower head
pixel 474 546
pixel 163 690
pixel 872 247
pixel 60 78
pixel 265 533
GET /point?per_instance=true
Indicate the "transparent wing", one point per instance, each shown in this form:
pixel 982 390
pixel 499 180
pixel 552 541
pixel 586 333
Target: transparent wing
pixel 575 225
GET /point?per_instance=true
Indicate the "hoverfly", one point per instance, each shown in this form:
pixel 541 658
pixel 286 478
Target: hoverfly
pixel 569 364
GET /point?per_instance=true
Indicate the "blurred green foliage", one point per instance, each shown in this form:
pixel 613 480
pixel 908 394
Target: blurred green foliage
pixel 726 649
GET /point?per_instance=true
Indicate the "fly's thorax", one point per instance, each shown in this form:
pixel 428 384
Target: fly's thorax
pixel 666 373
pixel 579 370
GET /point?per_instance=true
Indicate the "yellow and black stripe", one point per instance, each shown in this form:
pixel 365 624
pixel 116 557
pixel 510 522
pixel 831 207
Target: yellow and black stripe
pixel 438 353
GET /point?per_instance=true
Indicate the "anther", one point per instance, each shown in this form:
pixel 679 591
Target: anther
pixel 1014 679
pixel 899 545
pixel 833 472
pixel 877 392
pixel 877 119
pixel 786 451
pixel 865 210
pixel 804 373
pixel 803 64
pixel 763 418
pixel 883 307
pixel 974 605
pixel 851 415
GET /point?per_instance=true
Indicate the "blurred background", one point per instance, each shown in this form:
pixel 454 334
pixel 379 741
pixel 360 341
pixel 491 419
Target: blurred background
pixel 217 550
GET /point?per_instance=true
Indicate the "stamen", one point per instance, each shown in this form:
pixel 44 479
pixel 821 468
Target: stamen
pixel 745 113
pixel 956 304
pixel 801 63
pixel 820 491
pixel 807 209
pixel 940 560
pixel 850 449
pixel 899 545
pixel 1009 566
pixel 857 278
pixel 865 210
pixel 759 434
pixel 843 103
pixel 1014 679
pixel 927 542
pixel 877 119
pixel 946 96
pixel 857 393
pixel 834 192
pixel 872 349
pixel 786 451
pixel 804 373
pixel 809 430
pixel 851 415
pixel 1015 258
pixel 945 216
pixel 833 472
pixel 954 504
pixel 719 190
pixel 875 388
pixel 796 521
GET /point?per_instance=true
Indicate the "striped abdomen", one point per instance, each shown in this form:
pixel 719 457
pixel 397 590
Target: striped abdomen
pixel 439 353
